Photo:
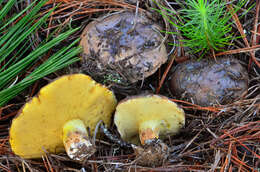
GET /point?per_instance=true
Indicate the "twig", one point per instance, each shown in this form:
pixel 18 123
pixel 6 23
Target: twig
pixel 197 107
pixel 240 28
pixel 166 71
pixel 258 156
pixel 253 38
pixel 240 50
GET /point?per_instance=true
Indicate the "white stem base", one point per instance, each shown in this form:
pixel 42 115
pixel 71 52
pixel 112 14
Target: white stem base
pixel 76 141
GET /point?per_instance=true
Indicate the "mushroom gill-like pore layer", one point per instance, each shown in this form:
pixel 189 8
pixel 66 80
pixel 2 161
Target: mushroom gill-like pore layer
pixel 39 125
pixel 147 118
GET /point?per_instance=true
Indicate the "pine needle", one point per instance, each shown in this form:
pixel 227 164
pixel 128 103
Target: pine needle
pixel 14 56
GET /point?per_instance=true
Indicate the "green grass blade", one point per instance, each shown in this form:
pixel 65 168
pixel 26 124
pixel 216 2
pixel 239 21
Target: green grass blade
pixel 6 9
pixel 11 20
pixel 15 69
pixel 58 61
pixel 15 54
pixel 12 44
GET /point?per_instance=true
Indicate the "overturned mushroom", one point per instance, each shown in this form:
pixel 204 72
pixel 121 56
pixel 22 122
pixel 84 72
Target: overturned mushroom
pixel 209 82
pixel 60 116
pixel 123 46
pixel 149 118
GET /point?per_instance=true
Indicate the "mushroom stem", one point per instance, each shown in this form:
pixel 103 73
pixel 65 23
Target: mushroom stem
pixel 76 141
pixel 148 131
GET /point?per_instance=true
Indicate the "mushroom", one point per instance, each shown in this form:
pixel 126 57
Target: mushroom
pixel 59 117
pixel 122 47
pixel 208 82
pixel 148 118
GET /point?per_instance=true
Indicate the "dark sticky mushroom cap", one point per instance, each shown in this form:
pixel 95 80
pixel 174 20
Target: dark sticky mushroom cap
pixel 59 114
pixel 123 44
pixel 207 82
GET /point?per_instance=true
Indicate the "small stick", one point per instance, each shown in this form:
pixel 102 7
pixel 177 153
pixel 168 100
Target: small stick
pixel 136 13
pixel 253 38
pixel 240 28
pixel 166 71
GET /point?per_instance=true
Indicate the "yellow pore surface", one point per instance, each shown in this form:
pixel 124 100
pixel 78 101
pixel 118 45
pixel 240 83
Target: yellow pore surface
pixel 152 110
pixel 39 125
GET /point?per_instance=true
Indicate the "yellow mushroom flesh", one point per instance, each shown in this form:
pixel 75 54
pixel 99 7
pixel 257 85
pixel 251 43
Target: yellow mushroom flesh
pixel 148 117
pixel 40 126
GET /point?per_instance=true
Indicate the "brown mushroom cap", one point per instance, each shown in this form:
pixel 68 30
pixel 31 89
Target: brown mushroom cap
pixel 148 117
pixel 39 125
pixel 124 45
pixel 207 82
